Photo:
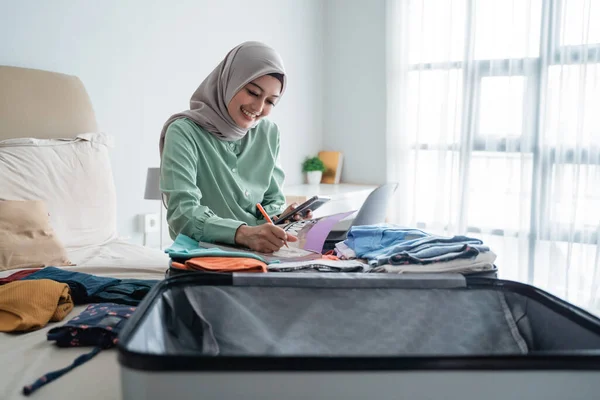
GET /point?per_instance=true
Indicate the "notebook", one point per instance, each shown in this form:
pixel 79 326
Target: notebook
pixel 311 235
pixel 282 255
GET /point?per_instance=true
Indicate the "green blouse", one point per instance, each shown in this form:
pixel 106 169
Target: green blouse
pixel 212 186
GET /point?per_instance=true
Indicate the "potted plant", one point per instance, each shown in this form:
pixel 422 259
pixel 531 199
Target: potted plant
pixel 313 167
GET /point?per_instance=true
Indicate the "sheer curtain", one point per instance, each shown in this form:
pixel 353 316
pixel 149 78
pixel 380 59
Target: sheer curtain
pixel 494 132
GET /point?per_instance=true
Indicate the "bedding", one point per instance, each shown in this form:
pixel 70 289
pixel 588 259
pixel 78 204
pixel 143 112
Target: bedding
pixel 59 157
pixel 26 357
pixel 73 177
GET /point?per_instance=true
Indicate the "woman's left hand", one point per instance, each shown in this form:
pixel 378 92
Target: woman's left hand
pixel 296 217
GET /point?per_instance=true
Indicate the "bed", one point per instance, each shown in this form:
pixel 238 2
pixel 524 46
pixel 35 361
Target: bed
pixel 49 111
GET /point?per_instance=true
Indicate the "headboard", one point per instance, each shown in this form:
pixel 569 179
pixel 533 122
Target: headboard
pixel 43 104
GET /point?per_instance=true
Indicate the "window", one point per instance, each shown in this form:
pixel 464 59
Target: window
pixel 502 118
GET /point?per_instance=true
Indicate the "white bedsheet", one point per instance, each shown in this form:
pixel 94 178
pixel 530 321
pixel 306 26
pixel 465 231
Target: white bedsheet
pixel 26 357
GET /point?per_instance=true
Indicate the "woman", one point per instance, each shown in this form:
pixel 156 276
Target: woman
pixel 220 158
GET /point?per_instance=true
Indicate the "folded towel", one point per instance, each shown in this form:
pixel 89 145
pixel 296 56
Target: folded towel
pixel 30 305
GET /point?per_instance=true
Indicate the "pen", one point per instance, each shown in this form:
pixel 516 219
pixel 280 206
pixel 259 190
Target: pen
pixel 269 220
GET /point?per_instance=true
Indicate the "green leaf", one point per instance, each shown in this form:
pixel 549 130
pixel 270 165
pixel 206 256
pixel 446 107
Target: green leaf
pixel 313 164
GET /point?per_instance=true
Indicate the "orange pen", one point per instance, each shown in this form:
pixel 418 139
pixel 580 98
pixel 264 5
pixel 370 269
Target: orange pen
pixel 269 220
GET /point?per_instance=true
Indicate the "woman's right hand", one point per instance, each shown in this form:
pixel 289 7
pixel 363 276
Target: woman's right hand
pixel 265 238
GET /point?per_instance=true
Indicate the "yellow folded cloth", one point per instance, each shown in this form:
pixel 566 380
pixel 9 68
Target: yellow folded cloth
pixel 30 305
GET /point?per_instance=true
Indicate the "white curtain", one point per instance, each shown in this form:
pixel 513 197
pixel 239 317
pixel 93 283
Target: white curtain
pixel 494 132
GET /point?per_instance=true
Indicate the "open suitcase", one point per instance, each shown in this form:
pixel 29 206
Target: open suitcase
pixel 356 336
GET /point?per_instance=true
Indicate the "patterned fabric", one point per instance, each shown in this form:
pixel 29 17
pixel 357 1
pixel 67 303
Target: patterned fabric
pixel 98 325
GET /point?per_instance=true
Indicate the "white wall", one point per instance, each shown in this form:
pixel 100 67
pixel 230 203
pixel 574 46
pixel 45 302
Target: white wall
pixel 141 60
pixel 355 87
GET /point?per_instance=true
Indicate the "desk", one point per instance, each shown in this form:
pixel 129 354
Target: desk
pixel 344 196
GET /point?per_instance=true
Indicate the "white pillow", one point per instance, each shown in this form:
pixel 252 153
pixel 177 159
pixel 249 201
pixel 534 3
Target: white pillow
pixel 74 179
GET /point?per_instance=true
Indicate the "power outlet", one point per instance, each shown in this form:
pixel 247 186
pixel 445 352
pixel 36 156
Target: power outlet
pixel 151 223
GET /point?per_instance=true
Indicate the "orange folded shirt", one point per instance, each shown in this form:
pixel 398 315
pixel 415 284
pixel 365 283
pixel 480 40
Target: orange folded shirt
pixel 30 305
pixel 225 264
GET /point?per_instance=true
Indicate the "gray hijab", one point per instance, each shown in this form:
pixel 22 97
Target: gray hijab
pixel 208 105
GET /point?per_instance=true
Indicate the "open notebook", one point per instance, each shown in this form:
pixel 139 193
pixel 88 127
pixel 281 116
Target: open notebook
pixel 311 236
pixel 283 255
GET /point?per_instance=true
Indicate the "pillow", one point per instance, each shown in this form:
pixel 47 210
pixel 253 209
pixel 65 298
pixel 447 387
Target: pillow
pixel 26 237
pixel 73 177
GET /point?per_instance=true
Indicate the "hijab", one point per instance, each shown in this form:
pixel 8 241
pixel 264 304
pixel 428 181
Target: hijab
pixel 208 105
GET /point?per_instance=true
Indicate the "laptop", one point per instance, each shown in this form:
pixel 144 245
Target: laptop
pixel 373 211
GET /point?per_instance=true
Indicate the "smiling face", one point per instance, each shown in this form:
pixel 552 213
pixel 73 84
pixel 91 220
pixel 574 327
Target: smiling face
pixel 254 101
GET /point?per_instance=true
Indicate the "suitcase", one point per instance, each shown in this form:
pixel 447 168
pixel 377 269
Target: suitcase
pixel 356 336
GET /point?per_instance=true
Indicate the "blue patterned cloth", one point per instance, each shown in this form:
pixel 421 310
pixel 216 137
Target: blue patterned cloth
pixel 98 325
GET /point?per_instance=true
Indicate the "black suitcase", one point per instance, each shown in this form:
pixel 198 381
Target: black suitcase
pixel 357 336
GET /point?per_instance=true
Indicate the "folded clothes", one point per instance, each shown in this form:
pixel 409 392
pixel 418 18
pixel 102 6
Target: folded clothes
pixel 182 266
pixel 30 305
pixel 443 252
pixel 226 264
pixel 344 252
pixel 88 288
pixel 184 248
pixel 480 263
pixel 83 286
pixel 377 238
pixel 320 265
pixel 383 244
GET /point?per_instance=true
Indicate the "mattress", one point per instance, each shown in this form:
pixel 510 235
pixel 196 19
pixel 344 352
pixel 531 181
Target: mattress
pixel 26 357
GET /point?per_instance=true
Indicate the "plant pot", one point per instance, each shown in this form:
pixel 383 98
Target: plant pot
pixel 314 177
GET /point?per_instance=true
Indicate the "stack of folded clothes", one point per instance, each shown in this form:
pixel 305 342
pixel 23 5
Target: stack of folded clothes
pixel 187 255
pixel 399 250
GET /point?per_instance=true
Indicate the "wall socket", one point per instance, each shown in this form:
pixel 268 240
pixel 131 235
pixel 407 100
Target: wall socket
pixel 151 223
